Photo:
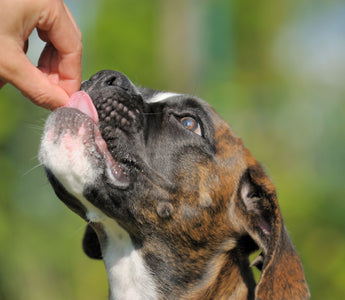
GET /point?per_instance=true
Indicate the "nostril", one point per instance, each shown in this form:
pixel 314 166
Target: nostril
pixel 108 78
pixel 116 80
pixel 111 81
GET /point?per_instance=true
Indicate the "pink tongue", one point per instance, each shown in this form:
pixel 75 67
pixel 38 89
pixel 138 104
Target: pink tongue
pixel 82 101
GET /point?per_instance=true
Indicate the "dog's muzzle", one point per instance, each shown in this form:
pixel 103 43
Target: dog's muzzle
pixel 117 100
pixel 83 142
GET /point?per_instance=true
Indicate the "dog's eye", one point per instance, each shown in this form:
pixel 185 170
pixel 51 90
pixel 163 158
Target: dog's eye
pixel 191 124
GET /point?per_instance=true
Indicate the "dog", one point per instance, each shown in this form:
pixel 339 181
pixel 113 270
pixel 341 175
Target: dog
pixel 174 201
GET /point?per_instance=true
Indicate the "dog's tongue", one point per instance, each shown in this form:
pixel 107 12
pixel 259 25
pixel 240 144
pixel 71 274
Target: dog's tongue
pixel 82 101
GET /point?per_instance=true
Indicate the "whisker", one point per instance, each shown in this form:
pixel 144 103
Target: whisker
pixel 76 231
pixel 37 127
pixel 32 169
pixel 34 158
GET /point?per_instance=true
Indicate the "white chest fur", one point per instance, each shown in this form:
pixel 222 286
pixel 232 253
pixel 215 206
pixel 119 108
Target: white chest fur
pixel 129 278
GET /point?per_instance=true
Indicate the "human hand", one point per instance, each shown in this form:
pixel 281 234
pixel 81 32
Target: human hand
pixel 58 74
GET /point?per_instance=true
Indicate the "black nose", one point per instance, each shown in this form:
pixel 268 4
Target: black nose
pixel 107 78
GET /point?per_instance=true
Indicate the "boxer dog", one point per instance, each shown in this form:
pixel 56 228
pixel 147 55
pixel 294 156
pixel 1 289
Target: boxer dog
pixel 174 201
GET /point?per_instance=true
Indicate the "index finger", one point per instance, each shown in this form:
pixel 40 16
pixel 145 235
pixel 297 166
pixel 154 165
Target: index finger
pixel 61 30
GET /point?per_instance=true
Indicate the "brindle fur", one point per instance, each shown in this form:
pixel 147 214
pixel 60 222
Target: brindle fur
pixel 197 209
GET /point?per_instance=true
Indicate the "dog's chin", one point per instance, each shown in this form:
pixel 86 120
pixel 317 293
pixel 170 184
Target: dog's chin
pixel 76 156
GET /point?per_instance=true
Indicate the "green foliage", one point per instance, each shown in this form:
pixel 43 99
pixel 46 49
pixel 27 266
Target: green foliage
pixel 123 39
pixel 232 54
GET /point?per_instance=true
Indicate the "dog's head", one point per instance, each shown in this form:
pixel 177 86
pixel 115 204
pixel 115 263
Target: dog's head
pixel 176 178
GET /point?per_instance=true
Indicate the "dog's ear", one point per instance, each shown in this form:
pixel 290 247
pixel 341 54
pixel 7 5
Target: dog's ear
pixel 91 245
pixel 257 214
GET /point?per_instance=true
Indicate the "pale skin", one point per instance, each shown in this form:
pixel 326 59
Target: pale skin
pixel 58 74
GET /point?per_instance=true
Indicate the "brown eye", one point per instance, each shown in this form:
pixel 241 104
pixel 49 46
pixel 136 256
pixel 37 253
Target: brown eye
pixel 191 124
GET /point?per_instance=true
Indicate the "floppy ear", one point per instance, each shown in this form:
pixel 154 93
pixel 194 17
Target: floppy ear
pixel 257 213
pixel 91 245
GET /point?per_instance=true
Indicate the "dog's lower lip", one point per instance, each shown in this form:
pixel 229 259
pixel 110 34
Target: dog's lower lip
pixel 114 171
pixel 82 101
pixel 118 176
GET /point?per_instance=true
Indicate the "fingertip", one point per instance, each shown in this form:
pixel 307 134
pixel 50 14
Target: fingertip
pixel 53 100
pixel 48 95
pixel 71 86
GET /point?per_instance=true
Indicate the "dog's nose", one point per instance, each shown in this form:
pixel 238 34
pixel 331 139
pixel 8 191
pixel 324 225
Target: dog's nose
pixel 111 78
pixel 117 100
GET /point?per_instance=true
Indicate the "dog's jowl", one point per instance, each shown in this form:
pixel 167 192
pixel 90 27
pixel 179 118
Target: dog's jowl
pixel 174 201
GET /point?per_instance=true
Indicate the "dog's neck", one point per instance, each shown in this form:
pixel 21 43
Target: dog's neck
pixel 216 275
pixel 128 276
pixel 131 278
pixel 225 279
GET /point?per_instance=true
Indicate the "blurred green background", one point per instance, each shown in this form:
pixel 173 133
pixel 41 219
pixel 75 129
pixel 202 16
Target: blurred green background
pixel 275 70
